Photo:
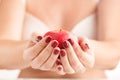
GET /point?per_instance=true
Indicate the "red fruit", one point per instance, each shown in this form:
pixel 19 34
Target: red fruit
pixel 60 36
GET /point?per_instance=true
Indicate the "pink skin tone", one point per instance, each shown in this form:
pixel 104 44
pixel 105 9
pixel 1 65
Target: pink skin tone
pixel 43 53
pixel 41 49
pixel 63 38
pixel 44 49
pixel 76 57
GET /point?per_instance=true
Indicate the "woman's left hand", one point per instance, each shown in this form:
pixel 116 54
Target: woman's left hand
pixel 76 56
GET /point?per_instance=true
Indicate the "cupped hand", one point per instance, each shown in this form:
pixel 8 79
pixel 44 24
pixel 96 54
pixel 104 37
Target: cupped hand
pixel 42 52
pixel 76 56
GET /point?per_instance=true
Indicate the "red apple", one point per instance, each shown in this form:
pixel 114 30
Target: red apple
pixel 60 36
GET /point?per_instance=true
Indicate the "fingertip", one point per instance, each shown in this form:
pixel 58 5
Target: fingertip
pixel 84 46
pixel 57 48
pixel 54 43
pixel 59 67
pixel 62 52
pixel 38 38
pixel 65 44
pixel 35 37
pixel 60 70
pixel 48 39
pixel 71 41
pixel 56 51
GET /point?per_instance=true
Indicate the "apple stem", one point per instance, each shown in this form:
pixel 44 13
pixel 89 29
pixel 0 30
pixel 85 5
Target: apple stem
pixel 60 30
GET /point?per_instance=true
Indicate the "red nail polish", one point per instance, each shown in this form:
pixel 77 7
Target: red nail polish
pixel 54 44
pixel 48 39
pixel 59 68
pixel 65 44
pixel 56 51
pixel 71 41
pixel 62 53
pixel 85 47
pixel 39 38
pixel 58 62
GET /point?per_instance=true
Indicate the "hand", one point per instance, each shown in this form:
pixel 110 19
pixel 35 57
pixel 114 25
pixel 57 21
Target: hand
pixel 41 53
pixel 76 57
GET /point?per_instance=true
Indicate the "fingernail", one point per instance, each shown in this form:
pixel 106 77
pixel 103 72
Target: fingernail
pixel 58 62
pixel 71 41
pixel 65 44
pixel 59 68
pixel 48 39
pixel 62 53
pixel 39 38
pixel 56 51
pixel 54 44
pixel 85 47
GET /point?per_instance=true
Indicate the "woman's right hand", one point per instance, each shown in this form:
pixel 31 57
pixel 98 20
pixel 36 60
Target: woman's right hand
pixel 42 53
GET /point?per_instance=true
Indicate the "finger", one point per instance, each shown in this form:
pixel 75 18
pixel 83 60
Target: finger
pixel 35 37
pixel 82 53
pixel 66 65
pixel 32 52
pixel 85 45
pixel 58 68
pixel 52 59
pixel 58 62
pixel 87 48
pixel 44 55
pixel 72 57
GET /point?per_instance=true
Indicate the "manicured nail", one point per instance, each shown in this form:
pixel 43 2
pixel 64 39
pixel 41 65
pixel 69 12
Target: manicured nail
pixel 39 38
pixel 58 62
pixel 56 51
pixel 48 39
pixel 54 44
pixel 62 53
pixel 65 44
pixel 85 47
pixel 71 41
pixel 59 68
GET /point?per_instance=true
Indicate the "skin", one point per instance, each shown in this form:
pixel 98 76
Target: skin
pixel 11 40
